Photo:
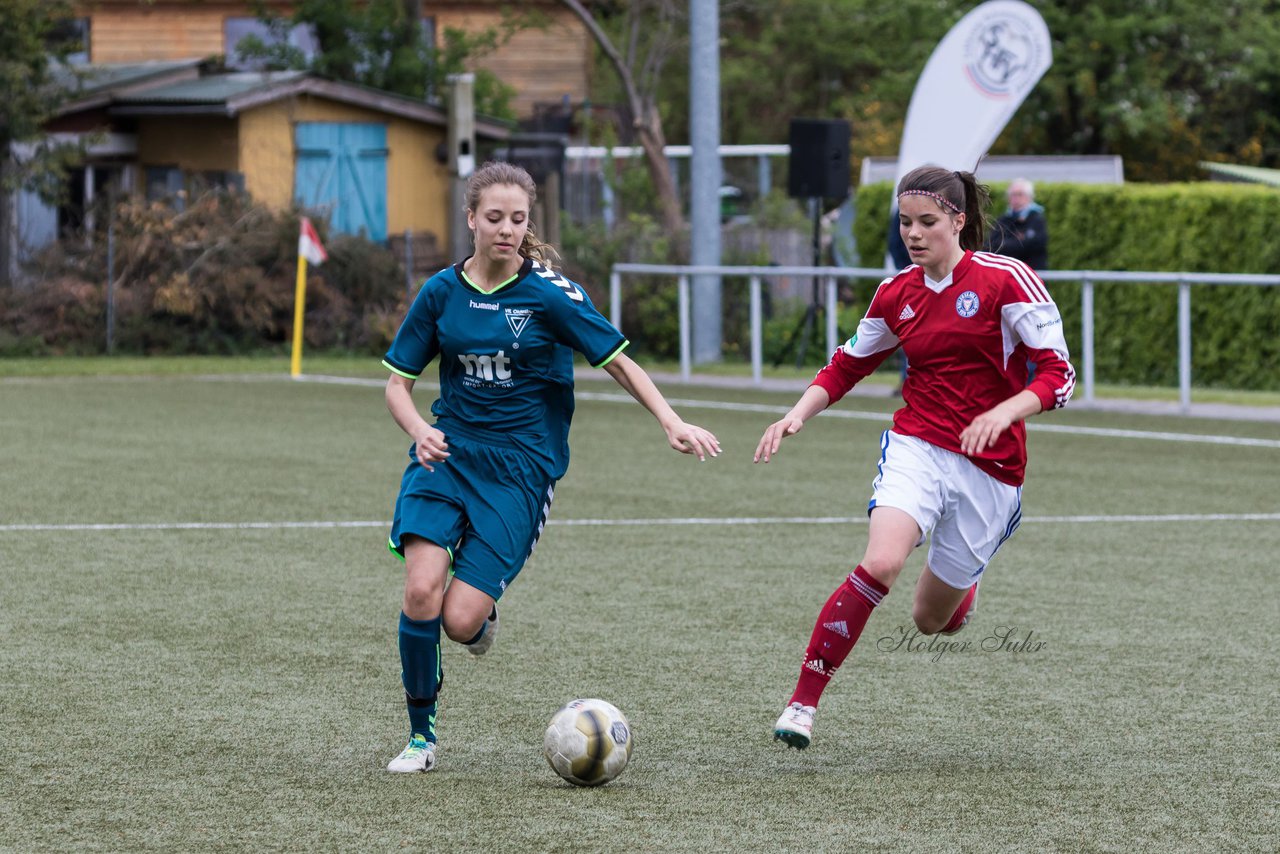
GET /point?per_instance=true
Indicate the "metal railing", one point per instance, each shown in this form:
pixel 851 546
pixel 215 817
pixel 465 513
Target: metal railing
pixel 829 275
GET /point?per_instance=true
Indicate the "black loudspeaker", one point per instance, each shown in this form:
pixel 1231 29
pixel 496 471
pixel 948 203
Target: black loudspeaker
pixel 819 163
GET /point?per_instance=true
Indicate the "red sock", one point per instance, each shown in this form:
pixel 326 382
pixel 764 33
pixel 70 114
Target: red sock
pixel 957 619
pixel 840 622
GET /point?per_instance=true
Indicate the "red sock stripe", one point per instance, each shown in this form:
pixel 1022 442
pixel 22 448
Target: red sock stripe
pixel 870 589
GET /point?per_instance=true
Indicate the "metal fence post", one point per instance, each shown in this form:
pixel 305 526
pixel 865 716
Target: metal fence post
pixel 1086 335
pixel 757 334
pixel 686 348
pixel 1184 345
pixel 615 299
pixel 111 276
pixel 832 328
pixel 408 264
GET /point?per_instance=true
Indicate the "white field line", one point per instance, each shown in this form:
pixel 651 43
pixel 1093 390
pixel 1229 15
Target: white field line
pixel 883 417
pixel 630 523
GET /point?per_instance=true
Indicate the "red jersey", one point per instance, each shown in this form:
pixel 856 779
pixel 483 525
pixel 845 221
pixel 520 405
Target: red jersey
pixel 967 340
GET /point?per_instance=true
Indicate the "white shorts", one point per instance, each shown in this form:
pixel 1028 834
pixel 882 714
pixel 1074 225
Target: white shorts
pixel 965 512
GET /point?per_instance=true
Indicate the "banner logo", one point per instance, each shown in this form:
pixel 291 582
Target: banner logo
pixel 1002 55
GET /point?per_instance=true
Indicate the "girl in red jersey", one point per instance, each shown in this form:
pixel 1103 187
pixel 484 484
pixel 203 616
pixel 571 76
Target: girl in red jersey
pixel 952 465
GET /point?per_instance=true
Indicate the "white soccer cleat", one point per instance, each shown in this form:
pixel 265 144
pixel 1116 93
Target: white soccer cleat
pixel 481 646
pixel 419 755
pixel 795 727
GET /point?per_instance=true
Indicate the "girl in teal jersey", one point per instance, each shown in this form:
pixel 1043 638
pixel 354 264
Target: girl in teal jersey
pixel 479 483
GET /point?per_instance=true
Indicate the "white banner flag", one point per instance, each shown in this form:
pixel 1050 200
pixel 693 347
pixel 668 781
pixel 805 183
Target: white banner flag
pixel 972 85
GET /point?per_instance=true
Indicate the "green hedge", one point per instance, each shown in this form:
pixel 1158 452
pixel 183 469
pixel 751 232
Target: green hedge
pixel 1209 227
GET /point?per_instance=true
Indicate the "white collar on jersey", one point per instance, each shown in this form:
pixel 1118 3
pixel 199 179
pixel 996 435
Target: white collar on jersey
pixel 938 287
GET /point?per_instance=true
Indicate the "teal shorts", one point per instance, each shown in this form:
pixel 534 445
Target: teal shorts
pixel 486 505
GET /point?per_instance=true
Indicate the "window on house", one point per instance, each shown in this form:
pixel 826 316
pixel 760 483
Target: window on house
pixel 169 183
pixel 166 183
pixel 301 37
pixel 72 34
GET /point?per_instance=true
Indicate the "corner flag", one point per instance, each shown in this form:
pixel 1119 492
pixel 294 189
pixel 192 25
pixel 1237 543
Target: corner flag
pixel 309 245
pixel 309 249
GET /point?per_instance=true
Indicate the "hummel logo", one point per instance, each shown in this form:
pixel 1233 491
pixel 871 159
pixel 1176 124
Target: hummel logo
pixel 907 313
pixel 840 627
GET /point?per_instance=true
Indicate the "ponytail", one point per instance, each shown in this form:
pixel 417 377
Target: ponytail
pixel 955 192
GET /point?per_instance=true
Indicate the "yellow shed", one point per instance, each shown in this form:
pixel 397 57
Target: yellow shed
pixel 369 161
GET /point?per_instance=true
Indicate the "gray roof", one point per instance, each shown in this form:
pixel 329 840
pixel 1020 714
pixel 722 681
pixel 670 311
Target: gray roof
pixel 229 94
pixel 95 85
pixel 211 89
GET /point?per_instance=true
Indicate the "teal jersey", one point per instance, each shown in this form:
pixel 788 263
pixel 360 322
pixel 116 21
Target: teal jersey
pixel 506 356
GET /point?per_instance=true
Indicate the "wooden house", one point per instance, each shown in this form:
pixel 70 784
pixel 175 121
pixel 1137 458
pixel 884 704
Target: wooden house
pixel 161 113
pixel 547 64
pixel 368 162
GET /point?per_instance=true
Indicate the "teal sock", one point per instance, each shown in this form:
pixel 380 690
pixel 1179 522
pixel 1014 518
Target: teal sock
pixel 421 671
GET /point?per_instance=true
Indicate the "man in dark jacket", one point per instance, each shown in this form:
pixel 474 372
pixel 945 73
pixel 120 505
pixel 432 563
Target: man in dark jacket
pixel 1021 231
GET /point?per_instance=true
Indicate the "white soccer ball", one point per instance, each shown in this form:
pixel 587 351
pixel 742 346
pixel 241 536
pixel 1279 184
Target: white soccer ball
pixel 588 742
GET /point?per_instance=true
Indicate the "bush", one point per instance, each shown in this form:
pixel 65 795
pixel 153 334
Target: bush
pixel 217 277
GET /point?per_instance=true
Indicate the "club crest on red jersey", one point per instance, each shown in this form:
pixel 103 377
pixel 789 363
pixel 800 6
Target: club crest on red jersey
pixel 967 304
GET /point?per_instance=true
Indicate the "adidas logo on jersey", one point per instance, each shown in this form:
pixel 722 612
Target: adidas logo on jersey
pixel 907 313
pixel 840 627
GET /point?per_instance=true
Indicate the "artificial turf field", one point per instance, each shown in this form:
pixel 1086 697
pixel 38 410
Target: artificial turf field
pixel 198 637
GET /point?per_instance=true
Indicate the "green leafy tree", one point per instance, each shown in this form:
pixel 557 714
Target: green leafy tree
pixel 1162 84
pixel 650 32
pixel 382 43
pixel 33 82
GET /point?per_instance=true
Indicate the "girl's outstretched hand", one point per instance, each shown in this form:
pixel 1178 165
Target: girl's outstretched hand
pixel 692 439
pixel 773 436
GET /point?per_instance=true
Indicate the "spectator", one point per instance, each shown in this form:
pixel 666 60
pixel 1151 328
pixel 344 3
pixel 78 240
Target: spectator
pixel 1021 232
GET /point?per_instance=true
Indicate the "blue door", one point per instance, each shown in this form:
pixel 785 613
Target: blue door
pixel 341 172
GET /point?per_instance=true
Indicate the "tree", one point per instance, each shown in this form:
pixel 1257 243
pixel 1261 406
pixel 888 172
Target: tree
pixel 1164 85
pixel 652 30
pixel 382 44
pixel 33 82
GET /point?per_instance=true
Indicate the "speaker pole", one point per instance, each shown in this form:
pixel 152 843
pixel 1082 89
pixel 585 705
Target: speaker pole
pixel 817 169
